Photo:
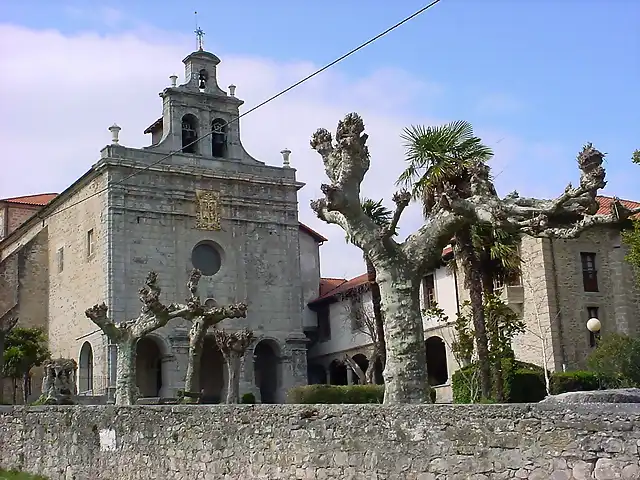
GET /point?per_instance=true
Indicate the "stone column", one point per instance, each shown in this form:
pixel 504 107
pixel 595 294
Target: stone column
pixel 294 365
pixel 174 368
pixel 247 374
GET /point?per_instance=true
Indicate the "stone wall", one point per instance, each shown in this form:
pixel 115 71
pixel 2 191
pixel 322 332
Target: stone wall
pixel 420 442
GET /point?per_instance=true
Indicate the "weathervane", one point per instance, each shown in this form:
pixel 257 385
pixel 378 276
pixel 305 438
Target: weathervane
pixel 199 33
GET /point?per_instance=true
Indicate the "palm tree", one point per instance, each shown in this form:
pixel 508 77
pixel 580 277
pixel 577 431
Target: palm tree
pixel 441 159
pixel 381 216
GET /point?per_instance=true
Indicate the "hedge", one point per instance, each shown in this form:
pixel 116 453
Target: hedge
pixel 523 383
pixel 336 394
pixel 581 381
pixel 310 394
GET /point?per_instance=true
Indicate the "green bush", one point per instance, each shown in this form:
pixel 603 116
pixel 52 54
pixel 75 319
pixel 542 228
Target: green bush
pixel 310 394
pixel 582 381
pixel 617 357
pixel 248 398
pixel 523 383
pixel 15 475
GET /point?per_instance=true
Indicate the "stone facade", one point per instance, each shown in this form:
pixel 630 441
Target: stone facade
pixel 324 442
pixel 168 208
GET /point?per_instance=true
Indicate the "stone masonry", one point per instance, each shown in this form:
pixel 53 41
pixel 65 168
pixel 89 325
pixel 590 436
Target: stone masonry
pixel 324 442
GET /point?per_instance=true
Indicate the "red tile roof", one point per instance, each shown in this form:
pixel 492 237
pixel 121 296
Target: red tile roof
pixel 328 284
pixel 606 203
pixel 40 199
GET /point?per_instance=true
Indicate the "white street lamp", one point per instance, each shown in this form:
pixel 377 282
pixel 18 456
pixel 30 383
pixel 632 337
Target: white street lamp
pixel 594 325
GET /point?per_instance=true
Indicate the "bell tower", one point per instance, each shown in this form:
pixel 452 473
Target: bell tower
pixel 199 118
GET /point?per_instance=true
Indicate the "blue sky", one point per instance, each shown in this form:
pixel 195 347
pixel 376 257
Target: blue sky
pixel 551 74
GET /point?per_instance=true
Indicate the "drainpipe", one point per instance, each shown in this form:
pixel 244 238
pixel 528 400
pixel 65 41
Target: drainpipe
pixel 558 317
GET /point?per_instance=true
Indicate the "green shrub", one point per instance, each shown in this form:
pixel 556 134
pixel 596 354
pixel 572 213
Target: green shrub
pixel 15 475
pixel 617 357
pixel 248 398
pixel 310 394
pixel 582 381
pixel 523 383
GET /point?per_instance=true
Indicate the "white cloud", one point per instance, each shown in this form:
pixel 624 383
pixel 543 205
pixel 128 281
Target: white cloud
pixel 61 92
pixel 61 99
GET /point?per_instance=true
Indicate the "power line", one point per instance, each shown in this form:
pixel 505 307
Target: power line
pixel 253 109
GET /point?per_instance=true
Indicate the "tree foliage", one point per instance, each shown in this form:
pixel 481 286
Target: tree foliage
pixel 617 356
pixel 25 348
pixel 631 238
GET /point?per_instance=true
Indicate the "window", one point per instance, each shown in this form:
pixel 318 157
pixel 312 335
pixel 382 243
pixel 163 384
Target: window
pixel 60 259
pixel 429 291
pixel 324 324
pixel 206 258
pixel 592 312
pixel 589 272
pixel 90 243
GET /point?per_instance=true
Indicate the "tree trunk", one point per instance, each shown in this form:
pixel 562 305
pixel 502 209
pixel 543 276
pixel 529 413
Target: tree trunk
pixel 473 276
pixel 376 300
pixel 126 389
pixel 405 374
pixel 192 379
pixel 233 373
pixel 25 388
pixel 14 381
pixel 2 336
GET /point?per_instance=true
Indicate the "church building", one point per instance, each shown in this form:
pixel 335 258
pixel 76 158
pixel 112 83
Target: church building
pixel 193 198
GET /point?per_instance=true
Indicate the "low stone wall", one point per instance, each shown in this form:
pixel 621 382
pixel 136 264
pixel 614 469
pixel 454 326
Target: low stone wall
pixel 323 442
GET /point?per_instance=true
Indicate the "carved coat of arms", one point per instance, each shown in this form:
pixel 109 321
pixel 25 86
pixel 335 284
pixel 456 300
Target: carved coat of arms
pixel 207 210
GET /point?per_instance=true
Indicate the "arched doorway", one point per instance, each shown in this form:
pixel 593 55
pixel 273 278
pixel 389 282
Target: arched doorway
pixel 317 374
pixel 436 361
pixel 85 369
pixel 363 363
pixel 212 372
pixel 338 373
pixel 148 367
pixel 267 370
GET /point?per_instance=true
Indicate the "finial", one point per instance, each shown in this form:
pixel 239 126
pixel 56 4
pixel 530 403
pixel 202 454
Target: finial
pixel 232 90
pixel 174 80
pixel 115 131
pixel 199 33
pixel 285 157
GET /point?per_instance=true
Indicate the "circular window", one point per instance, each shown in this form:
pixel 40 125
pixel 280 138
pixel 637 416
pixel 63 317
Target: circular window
pixel 206 258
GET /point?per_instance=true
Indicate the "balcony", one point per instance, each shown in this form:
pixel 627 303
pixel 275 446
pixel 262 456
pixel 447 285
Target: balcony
pixel 512 295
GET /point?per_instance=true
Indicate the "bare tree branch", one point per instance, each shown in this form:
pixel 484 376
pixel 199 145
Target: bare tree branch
pixel 401 199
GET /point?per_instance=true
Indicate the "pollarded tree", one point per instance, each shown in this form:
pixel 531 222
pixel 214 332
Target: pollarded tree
pixel 198 332
pixel 401 266
pixel 153 315
pixel 233 345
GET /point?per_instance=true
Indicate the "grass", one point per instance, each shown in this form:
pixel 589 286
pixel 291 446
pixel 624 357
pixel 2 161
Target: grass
pixel 13 475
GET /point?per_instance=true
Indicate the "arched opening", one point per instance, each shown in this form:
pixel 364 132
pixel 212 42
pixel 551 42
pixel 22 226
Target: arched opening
pixel 363 363
pixel 338 373
pixel 85 369
pixel 436 361
pixel 148 367
pixel 219 138
pixel 212 372
pixel 378 378
pixel 267 370
pixel 203 77
pixel 189 134
pixel 317 374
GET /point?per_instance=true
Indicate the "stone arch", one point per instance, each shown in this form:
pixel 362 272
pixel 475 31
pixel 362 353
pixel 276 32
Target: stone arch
pixel 363 362
pixel 85 368
pixel 267 359
pixel 338 373
pixel 437 370
pixel 213 372
pixel 189 133
pixel 151 375
pixel 219 146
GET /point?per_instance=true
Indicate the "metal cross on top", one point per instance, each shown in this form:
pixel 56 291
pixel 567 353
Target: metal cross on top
pixel 199 33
